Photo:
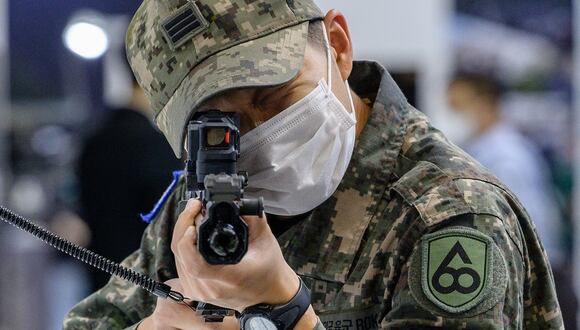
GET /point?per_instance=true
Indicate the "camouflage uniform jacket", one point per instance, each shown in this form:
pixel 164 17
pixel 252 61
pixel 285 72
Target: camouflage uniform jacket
pixel 417 235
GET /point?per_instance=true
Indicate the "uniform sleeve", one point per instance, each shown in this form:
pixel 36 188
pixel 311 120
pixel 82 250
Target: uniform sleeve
pixel 120 304
pixel 476 272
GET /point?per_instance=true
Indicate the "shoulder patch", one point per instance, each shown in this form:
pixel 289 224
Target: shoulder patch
pixel 458 271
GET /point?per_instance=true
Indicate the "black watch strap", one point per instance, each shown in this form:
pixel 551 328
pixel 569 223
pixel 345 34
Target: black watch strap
pixel 285 316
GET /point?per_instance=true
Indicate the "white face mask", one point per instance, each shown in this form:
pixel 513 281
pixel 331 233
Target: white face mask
pixel 297 159
pixel 461 127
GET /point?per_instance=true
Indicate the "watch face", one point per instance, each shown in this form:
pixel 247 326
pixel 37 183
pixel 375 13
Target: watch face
pixel 259 323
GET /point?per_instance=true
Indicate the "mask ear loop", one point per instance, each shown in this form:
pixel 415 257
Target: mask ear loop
pixel 329 69
pixel 328 57
pixel 350 100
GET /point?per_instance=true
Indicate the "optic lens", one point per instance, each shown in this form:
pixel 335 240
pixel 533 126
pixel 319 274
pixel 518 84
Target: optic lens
pixel 216 137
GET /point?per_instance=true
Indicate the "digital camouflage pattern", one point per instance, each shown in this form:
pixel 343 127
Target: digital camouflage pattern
pixel 406 183
pixel 255 43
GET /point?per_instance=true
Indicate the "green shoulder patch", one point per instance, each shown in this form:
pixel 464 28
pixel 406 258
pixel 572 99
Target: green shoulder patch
pixel 458 270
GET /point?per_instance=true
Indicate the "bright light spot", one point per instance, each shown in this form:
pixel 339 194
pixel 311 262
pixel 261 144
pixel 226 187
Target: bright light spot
pixel 86 40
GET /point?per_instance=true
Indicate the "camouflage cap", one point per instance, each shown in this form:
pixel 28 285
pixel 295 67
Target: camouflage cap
pixel 183 52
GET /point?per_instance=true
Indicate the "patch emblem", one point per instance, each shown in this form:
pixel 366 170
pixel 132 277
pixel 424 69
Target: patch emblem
pixel 183 25
pixel 458 270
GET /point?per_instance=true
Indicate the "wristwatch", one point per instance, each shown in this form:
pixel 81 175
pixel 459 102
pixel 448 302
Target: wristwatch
pixel 281 317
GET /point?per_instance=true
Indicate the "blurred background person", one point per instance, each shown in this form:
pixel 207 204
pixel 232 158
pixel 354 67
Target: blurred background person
pixel 123 169
pixel 511 156
pixel 517 162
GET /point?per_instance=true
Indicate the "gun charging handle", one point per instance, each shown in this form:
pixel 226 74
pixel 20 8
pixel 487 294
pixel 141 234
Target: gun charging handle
pixel 252 206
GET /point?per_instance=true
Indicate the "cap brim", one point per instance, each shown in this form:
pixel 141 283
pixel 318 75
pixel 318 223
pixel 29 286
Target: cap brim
pixel 268 61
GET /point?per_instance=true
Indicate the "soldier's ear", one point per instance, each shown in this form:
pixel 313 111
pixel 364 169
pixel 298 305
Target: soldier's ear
pixel 340 41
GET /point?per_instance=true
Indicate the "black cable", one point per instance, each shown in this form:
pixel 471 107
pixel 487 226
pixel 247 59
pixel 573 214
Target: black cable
pixel 159 289
pixel 209 312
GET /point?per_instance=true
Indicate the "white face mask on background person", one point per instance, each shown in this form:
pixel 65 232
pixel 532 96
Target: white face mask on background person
pixel 297 159
pixel 461 127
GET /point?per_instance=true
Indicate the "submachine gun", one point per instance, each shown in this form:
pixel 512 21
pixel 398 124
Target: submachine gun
pixel 213 149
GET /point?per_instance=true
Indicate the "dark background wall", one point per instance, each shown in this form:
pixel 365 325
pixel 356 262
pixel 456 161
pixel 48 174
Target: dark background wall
pixel 37 51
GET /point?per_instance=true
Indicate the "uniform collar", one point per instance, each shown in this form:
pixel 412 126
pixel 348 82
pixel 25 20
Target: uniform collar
pixel 326 243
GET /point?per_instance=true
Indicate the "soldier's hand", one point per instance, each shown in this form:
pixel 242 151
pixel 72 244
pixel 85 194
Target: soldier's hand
pixel 263 276
pixel 169 315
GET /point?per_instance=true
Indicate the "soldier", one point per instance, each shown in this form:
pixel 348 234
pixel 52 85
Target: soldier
pixel 401 229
